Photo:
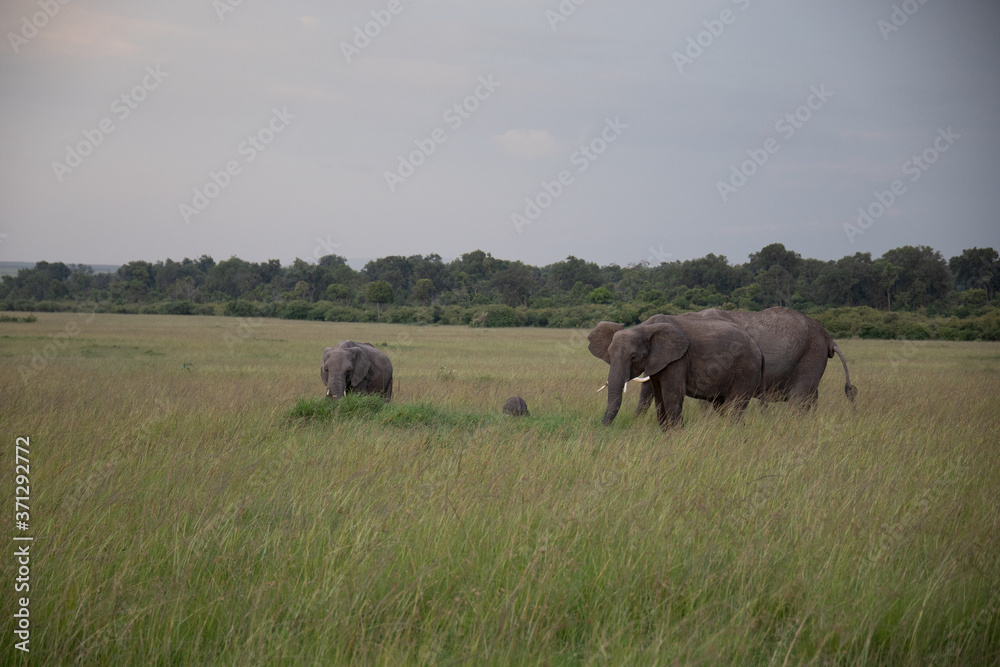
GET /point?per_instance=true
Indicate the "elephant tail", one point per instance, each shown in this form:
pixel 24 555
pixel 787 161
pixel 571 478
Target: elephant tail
pixel 849 389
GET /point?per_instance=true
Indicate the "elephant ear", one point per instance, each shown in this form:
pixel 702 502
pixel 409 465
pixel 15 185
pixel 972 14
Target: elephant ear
pixel 600 339
pixel 667 344
pixel 322 366
pixel 362 364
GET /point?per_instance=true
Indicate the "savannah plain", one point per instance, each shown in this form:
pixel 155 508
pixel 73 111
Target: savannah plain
pixel 196 500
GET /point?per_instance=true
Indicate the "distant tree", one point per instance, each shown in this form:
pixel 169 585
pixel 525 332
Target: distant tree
pixel 268 272
pixel 80 281
pixel 516 283
pixel 709 270
pixel 184 288
pixel 977 268
pixel 423 291
pixel 205 263
pixel 746 297
pixel 232 278
pixel 563 275
pixel 395 270
pixel 703 297
pixel 633 279
pixel 886 275
pixel 379 293
pixel 924 278
pixel 776 285
pixel 972 298
pixel 850 281
pixel 338 292
pixel 601 295
pixel 138 279
pixel 471 274
pixel 435 270
pixel 774 255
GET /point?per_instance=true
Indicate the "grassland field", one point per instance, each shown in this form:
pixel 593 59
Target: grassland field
pixel 196 500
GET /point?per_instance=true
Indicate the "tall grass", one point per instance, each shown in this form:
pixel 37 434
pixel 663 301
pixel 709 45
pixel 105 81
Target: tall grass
pixel 195 499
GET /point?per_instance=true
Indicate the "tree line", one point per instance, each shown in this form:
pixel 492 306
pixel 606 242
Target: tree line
pixel 478 288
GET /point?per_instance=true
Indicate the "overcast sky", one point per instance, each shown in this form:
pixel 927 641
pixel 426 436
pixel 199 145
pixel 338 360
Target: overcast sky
pixel 618 132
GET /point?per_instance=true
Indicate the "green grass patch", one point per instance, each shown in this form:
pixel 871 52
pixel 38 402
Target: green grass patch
pixel 374 409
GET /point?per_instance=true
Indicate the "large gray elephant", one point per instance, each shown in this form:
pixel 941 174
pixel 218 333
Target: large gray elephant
pixel 356 367
pixel 706 358
pixel 795 349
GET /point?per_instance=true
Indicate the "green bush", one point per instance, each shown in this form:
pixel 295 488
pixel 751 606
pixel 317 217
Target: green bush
pixel 601 295
pixel 496 316
pixel 318 311
pixel 205 309
pixel 874 330
pixel 296 310
pixel 358 405
pixel 49 307
pixel 242 308
pixel 182 307
pixel 410 315
pixel 311 408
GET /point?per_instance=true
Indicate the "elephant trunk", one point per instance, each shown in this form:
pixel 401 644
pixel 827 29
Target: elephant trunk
pixel 617 378
pixel 337 387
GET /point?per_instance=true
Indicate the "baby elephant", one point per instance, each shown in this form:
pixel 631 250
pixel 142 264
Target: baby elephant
pixel 356 367
pixel 516 407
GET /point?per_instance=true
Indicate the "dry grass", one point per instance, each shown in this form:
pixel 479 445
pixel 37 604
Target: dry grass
pixel 182 516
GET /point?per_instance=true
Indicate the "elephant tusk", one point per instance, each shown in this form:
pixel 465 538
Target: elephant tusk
pixel 625 388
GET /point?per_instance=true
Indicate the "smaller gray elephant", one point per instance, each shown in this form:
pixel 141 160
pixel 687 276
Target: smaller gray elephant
pixel 356 367
pixel 516 407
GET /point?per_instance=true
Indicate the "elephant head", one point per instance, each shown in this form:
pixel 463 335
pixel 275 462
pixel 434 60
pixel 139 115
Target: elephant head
pixel 344 367
pixel 645 348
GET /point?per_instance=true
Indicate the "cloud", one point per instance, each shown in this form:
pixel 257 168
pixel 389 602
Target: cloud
pixel 527 144
pixel 85 33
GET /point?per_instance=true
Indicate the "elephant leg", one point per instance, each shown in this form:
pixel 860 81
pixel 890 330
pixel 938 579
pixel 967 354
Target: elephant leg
pixel 737 405
pixel 661 413
pixel 668 393
pixel 811 400
pixel 645 398
pixel 804 393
